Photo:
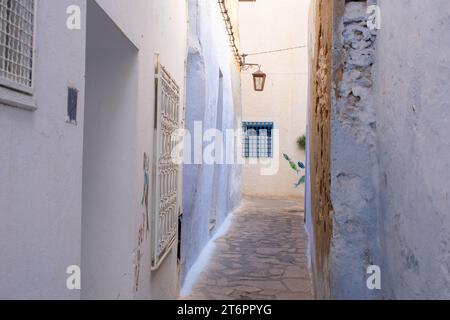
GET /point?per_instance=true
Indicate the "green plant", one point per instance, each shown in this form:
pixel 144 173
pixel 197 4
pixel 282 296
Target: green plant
pixel 298 168
pixel 301 142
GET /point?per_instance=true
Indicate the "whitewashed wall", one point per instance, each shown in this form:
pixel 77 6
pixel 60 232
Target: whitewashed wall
pixel 413 114
pixel 208 55
pixel 265 26
pixel 41 157
pixel 148 25
pixel 390 159
pixel 41 168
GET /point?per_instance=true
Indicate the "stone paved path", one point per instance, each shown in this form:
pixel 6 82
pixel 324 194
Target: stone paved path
pixel 263 256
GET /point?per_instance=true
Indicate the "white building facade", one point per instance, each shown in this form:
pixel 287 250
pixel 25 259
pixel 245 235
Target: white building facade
pixel 81 147
pixel 281 50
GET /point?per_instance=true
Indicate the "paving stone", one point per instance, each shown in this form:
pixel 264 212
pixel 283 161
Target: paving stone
pixel 248 289
pixel 297 285
pixel 222 282
pixel 266 284
pixel 276 272
pixel 296 272
pixel 293 296
pixel 262 257
pixel 268 251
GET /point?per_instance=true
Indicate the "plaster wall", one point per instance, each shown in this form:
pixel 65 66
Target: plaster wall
pixel 342 161
pixel 153 23
pixel 413 114
pixel 109 185
pixel 209 59
pixel 388 160
pixel 354 165
pixel 41 167
pixel 41 155
pixel 266 26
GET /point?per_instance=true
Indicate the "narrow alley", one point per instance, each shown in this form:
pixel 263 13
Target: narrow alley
pixel 262 257
pixel 224 150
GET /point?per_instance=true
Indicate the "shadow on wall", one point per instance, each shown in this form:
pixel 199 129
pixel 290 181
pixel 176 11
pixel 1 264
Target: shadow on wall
pixel 210 191
pixel 194 227
pixel 109 157
pixel 205 187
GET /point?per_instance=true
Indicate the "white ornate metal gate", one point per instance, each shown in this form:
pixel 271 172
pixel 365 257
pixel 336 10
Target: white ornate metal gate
pixel 166 189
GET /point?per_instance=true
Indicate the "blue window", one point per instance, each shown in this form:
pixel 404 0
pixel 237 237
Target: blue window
pixel 258 139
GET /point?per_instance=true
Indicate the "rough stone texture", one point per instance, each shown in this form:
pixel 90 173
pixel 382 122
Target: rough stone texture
pixel 263 256
pixel 354 162
pixel 389 152
pixel 319 207
pixel 342 150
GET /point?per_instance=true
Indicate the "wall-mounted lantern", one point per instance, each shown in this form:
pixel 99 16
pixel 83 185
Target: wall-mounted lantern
pixel 259 80
pixel 259 77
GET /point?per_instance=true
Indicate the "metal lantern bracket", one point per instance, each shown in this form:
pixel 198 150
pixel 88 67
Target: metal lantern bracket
pixel 246 66
pixel 259 77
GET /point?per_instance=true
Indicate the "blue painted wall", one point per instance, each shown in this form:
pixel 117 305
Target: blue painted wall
pixel 207 186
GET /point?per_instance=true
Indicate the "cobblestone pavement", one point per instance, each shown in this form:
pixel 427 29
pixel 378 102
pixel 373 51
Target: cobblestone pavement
pixel 263 256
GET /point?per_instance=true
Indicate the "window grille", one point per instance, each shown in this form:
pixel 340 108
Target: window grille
pixel 16 44
pixel 258 139
pixel 167 189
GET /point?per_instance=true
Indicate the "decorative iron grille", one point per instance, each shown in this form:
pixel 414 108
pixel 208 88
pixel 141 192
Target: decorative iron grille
pixel 165 219
pixel 16 44
pixel 257 140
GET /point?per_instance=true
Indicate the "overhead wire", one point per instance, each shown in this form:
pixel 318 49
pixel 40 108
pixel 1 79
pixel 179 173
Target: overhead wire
pixel 274 51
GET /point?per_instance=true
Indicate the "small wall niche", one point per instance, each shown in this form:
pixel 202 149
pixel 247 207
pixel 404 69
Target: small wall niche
pixel 72 105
